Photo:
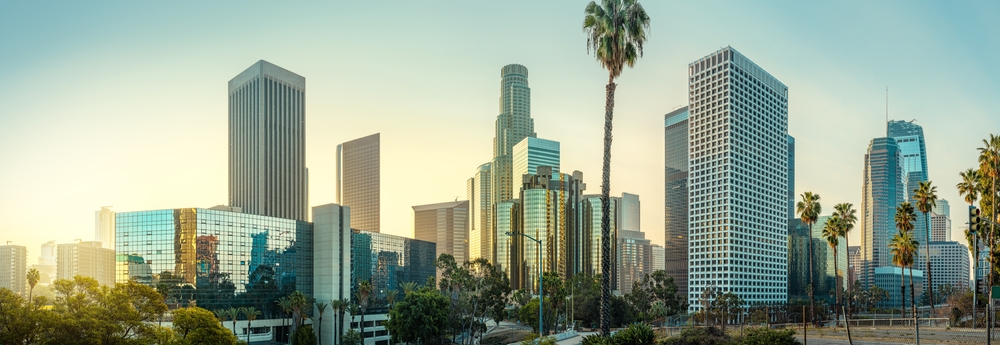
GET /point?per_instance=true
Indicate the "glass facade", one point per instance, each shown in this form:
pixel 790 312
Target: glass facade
pixel 675 213
pixel 358 180
pixel 531 153
pixel 508 249
pixel 591 231
pixel 884 188
pixel 888 279
pixel 513 124
pixel 219 259
pixel 824 269
pixel 387 261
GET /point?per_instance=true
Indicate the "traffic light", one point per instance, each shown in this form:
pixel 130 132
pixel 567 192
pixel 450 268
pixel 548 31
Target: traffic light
pixel 975 222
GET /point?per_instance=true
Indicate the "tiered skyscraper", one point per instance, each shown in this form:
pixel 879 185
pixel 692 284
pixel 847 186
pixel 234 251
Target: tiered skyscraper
pixel 513 125
pixel 884 188
pixel 267 142
pixel 359 181
pixel 738 173
pixel 910 138
pixel 675 213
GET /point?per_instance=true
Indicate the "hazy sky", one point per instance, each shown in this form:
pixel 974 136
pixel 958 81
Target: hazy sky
pixel 124 104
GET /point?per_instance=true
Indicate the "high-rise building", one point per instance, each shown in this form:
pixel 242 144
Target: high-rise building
pixel 531 153
pixel 447 225
pixel 481 236
pixel 910 139
pixel 791 177
pixel 888 278
pixel 14 269
pixel 635 259
pixel 940 223
pixel 738 166
pixel 548 213
pixel 507 219
pixel 884 188
pixel 659 258
pixel 358 181
pixel 675 213
pixel 949 265
pixel 854 263
pixel 104 227
pixel 47 263
pixel 267 142
pixel 628 212
pixel 331 263
pixel 513 124
pixel 590 231
pixel 88 259
pixel 824 265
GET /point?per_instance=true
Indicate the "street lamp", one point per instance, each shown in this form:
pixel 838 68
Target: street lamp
pixel 541 289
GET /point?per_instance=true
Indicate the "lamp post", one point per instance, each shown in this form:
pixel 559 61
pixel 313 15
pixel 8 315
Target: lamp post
pixel 541 289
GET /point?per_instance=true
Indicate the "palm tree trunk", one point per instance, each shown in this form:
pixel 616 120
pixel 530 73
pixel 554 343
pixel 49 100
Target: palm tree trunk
pixel 248 331
pixel 850 284
pixel 606 210
pixel 812 283
pixel 927 248
pixel 902 291
pixel 362 325
pixel 913 300
pixel 836 284
pixel 319 329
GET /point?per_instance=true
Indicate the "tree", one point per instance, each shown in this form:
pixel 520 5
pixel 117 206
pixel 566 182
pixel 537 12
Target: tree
pixel 222 315
pixel 84 312
pixel 321 306
pixel 364 294
pixel 969 188
pixel 234 313
pixel 19 323
pixel 989 167
pixel 338 306
pixel 298 301
pixel 848 217
pixel 926 197
pixel 198 326
pixel 904 222
pixel 616 32
pixel 809 210
pixel 304 336
pixel 351 337
pixel 286 308
pixel 32 277
pixel 251 314
pixel 421 316
pixel 832 231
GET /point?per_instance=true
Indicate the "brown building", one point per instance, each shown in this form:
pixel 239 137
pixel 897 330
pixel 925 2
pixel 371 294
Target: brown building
pixel 88 259
pixel 358 181
pixel 446 224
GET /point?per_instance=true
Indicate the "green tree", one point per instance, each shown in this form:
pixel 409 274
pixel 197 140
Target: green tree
pixel 298 301
pixel 832 232
pixel 809 209
pixel 285 305
pixel 196 326
pixel 351 337
pixel 905 216
pixel 321 307
pixel 304 336
pixel 251 313
pixel 32 277
pixel 848 217
pixel 234 313
pixel 364 294
pixel 989 169
pixel 421 316
pixel 19 323
pixel 926 198
pixel 340 306
pixel 616 32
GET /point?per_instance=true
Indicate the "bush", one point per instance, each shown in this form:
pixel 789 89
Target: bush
pixel 597 339
pixel 699 336
pixel 637 333
pixel 767 336
pixel 304 336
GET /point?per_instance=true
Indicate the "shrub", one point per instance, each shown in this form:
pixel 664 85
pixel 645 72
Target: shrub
pixel 767 336
pixel 699 336
pixel 597 339
pixel 637 333
pixel 304 336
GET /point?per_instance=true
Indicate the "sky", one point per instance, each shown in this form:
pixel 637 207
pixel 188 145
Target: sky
pixel 123 104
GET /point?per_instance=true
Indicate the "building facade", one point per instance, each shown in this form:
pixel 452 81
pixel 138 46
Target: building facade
pixel 531 153
pixel 738 165
pixel 14 269
pixel 88 259
pixel 635 259
pixel 104 227
pixel 513 124
pixel 949 265
pixel 591 232
pixel 47 263
pixel 447 225
pixel 889 279
pixel 659 258
pixel 675 213
pixel 267 142
pixel 549 213
pixel 855 263
pixel 359 181
pixel 482 239
pixel 791 177
pixel 507 219
pixel 940 223
pixel 884 188
pixel 824 265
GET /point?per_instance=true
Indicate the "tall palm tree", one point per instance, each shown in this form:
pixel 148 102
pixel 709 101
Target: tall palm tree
pixel 234 313
pixel 809 210
pixel 299 301
pixel 408 287
pixel 321 306
pixel 222 315
pixel 616 31
pixel 286 307
pixel 989 166
pixel 251 313
pixel 848 217
pixel 898 247
pixel 905 216
pixel 33 277
pixel 970 188
pixel 390 297
pixel 364 294
pixel 926 197
pixel 832 233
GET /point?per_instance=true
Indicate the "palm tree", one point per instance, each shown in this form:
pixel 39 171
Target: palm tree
pixel 223 316
pixel 898 248
pixel 286 307
pixel 616 31
pixel 848 217
pixel 390 297
pixel 809 210
pixel 363 295
pixel 233 314
pixel 832 233
pixel 408 287
pixel 299 301
pixel 321 306
pixel 926 197
pixel 905 216
pixel 969 188
pixel 251 313
pixel 33 277
pixel 989 166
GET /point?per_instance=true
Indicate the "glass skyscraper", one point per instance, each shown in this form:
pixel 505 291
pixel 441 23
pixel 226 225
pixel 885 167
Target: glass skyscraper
pixel 910 138
pixel 738 190
pixel 481 236
pixel 531 153
pixel 675 213
pixel 387 261
pixel 359 181
pixel 508 248
pixel 884 188
pixel 513 124
pixel 267 142
pixel 823 267
pixel 447 225
pixel 791 177
pixel 549 213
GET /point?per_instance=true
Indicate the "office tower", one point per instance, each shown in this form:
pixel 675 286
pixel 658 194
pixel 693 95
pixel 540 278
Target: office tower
pixel 267 142
pixel 481 236
pixel 104 227
pixel 675 203
pixel 508 250
pixel 513 124
pixel 548 213
pixel 940 223
pixel 889 277
pixel 824 269
pixel 949 265
pixel 47 263
pixel 531 153
pixel 88 259
pixel 445 224
pixel 358 181
pixel 590 231
pixel 628 212
pixel 884 188
pixel 659 258
pixel 855 263
pixel 738 165
pixel 791 177
pixel 14 269
pixel 331 262
pixel 635 259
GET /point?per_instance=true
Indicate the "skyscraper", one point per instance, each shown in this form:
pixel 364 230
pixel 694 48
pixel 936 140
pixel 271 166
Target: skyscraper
pixel 531 153
pixel 481 236
pixel 635 259
pixel 446 224
pixel 949 265
pixel 88 259
pixel 513 124
pixel 910 139
pixel 738 163
pixel 628 212
pixel 14 269
pixel 824 269
pixel 590 231
pixel 548 203
pixel 267 142
pixel 358 181
pixel 940 223
pixel 659 258
pixel 884 188
pixel 791 177
pixel 104 227
pixel 675 213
